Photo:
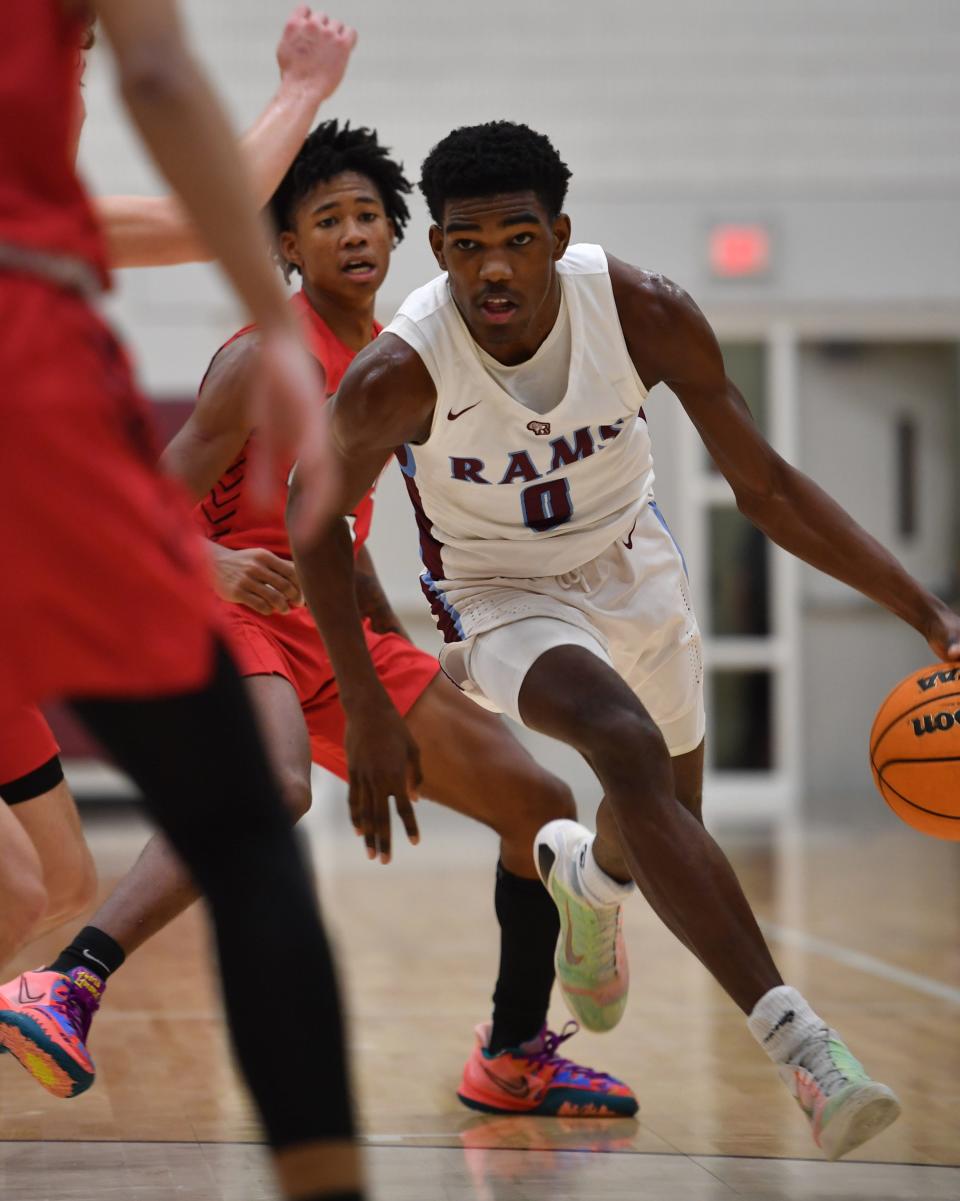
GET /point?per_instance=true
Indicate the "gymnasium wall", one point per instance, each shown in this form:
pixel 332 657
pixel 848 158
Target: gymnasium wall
pixel 854 400
pixel 831 123
pixel 834 121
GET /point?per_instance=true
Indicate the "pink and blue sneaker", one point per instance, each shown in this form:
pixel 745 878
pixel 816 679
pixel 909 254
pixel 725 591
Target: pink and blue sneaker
pixel 534 1079
pixel 44 1023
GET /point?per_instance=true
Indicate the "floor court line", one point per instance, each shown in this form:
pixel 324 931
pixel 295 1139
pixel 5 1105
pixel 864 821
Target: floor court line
pixel 862 962
pixel 404 1142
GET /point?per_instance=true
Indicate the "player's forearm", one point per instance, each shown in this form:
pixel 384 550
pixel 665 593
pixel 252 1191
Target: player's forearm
pixel 808 523
pixel 274 140
pixel 372 600
pixel 148 231
pixel 193 145
pixel 154 231
pixel 327 579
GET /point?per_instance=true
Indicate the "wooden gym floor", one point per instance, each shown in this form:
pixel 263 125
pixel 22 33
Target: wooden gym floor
pixel 868 927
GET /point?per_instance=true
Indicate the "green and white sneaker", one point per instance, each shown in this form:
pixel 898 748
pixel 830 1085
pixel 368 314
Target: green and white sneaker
pixel 843 1105
pixel 591 959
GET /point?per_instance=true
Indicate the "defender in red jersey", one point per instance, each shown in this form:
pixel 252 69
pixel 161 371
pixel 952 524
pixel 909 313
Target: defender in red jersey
pixel 108 605
pixel 340 209
pixel 47 875
pixel 281 640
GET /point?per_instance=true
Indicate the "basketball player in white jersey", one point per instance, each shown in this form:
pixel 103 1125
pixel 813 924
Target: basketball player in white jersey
pixel 514 384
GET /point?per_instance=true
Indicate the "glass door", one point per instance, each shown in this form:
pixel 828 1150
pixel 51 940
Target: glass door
pixel 746 597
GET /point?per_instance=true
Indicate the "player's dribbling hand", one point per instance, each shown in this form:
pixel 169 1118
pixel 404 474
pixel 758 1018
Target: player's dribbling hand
pixel 314 50
pixel 943 635
pixel 291 424
pixel 256 578
pixel 384 762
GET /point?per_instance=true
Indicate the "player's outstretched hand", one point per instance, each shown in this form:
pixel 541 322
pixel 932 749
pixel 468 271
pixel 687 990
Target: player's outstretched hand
pixel 314 50
pixel 256 578
pixel 944 635
pixel 384 762
pixel 291 425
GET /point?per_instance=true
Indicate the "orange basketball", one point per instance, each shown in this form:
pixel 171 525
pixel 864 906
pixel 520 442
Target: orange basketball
pixel 915 750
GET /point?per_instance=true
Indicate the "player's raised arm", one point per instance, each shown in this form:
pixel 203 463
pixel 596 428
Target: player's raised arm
pixel 385 399
pixel 185 130
pixel 188 135
pixel 671 341
pixel 153 231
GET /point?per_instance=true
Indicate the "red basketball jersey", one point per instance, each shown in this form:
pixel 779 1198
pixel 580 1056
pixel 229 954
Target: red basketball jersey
pixel 42 203
pixel 227 514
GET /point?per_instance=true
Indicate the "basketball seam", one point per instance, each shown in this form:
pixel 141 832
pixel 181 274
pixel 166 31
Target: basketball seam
pixel 943 696
pixel 879 770
pixel 951 817
pixel 930 759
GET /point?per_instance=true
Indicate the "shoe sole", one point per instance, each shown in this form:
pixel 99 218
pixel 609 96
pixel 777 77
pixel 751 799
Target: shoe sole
pixel 561 1103
pixel 867 1114
pixel 25 1039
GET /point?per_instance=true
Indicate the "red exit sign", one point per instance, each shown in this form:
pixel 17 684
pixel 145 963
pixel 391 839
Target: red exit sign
pixel 740 251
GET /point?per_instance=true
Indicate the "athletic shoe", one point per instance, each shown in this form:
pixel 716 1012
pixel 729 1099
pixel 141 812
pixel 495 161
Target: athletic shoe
pixel 533 1079
pixel 44 1023
pixel 591 959
pixel 843 1105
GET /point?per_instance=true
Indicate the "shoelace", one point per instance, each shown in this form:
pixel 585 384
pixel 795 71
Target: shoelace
pixel 80 1005
pixel 819 1062
pixel 547 1055
pixel 608 920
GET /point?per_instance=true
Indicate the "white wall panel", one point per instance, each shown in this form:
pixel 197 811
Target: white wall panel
pixel 835 122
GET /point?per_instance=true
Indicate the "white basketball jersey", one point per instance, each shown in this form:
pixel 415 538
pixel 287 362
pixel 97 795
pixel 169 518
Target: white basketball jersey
pixel 501 490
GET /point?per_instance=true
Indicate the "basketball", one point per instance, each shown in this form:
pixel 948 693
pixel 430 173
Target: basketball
pixel 915 750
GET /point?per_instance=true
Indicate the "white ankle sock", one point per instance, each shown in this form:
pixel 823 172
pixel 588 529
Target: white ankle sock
pixel 596 885
pixel 781 1021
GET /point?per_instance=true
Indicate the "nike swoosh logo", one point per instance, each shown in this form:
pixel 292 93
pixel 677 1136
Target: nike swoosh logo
pixel 628 541
pixel 573 960
pixel 25 998
pixel 452 416
pixel 94 959
pixel 516 1088
pixel 784 1021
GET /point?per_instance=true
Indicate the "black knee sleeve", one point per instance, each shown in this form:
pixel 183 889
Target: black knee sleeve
pixel 199 761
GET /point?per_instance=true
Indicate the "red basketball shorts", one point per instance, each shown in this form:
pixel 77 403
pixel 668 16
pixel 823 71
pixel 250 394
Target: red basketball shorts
pixel 288 645
pixel 105 588
pixel 26 744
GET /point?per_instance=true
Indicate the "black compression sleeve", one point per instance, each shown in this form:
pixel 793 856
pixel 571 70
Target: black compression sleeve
pixel 199 762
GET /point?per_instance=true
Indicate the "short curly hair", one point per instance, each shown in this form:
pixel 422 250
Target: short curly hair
pixel 328 151
pixel 500 156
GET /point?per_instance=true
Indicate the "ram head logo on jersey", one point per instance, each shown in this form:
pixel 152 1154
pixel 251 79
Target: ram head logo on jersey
pixel 538 427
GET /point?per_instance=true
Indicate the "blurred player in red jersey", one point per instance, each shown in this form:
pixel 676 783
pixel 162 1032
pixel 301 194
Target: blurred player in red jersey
pixel 47 874
pixel 340 208
pixel 109 605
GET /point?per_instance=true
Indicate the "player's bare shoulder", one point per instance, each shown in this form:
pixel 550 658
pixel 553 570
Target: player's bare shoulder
pixel 662 324
pixel 233 366
pixel 386 397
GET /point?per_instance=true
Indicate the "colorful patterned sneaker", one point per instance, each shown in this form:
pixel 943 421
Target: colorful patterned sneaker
pixel 44 1022
pixel 591 958
pixel 843 1105
pixel 533 1079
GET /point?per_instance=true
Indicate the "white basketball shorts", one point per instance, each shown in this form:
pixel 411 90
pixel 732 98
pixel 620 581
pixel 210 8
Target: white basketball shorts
pixel 630 607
